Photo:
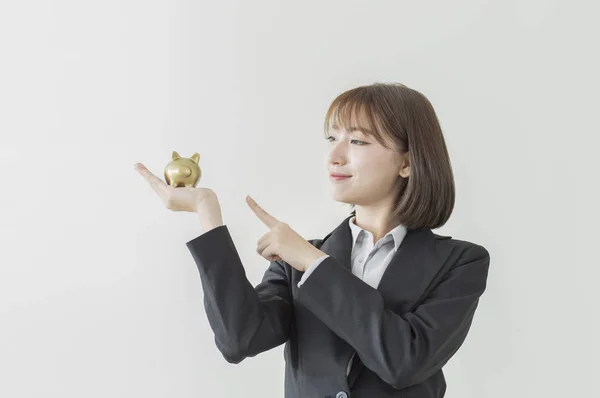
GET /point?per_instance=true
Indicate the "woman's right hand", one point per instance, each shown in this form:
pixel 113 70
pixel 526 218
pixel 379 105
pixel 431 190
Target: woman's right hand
pixel 202 201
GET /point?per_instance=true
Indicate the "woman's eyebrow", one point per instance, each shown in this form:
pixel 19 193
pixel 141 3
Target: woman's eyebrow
pixel 353 129
pixel 360 130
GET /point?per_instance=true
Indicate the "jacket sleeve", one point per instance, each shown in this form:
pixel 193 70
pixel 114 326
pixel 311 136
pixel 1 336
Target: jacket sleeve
pixel 246 320
pixel 401 349
pixel 311 269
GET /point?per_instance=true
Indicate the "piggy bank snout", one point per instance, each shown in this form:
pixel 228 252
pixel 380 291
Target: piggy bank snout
pixel 184 171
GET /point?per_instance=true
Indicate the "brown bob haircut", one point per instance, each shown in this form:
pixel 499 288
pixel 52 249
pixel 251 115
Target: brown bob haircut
pixel 403 119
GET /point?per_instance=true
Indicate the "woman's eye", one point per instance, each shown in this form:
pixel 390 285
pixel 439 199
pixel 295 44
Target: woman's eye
pixel 330 138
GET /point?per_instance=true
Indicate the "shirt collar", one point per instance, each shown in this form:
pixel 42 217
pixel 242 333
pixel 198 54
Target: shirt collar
pixel 397 233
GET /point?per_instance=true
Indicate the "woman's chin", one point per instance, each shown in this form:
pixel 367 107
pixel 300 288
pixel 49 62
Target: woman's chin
pixel 341 197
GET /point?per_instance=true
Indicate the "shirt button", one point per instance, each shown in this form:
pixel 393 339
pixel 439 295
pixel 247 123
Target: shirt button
pixel 341 394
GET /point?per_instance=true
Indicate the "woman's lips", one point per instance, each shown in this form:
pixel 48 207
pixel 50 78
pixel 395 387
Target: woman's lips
pixel 339 178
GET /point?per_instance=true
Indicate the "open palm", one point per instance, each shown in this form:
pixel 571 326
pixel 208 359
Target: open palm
pixel 176 198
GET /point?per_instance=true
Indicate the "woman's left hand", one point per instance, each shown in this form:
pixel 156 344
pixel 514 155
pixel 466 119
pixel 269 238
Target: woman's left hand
pixel 282 242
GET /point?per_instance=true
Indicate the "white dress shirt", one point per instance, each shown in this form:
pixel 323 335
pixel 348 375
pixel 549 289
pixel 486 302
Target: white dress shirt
pixel 369 259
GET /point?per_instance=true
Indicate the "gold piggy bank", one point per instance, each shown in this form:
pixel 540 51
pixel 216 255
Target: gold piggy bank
pixel 183 172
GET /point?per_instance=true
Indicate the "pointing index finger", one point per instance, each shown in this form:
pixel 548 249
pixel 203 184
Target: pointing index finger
pixel 265 217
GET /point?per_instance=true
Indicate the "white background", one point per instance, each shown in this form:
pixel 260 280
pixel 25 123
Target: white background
pixel 99 297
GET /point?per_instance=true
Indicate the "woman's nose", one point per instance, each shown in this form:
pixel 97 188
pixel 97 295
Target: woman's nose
pixel 337 160
pixel 337 154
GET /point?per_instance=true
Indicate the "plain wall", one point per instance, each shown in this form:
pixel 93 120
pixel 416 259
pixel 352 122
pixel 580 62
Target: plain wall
pixel 99 296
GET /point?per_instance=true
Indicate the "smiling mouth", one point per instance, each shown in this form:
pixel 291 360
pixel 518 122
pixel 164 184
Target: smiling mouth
pixel 338 178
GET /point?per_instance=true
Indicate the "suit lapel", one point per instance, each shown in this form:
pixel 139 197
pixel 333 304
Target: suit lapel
pixel 338 244
pixel 410 271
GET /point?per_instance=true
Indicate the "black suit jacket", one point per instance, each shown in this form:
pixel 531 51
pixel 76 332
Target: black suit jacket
pixel 403 332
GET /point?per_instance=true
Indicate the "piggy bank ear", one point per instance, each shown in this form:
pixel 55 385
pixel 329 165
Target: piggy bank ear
pixel 195 157
pixel 175 155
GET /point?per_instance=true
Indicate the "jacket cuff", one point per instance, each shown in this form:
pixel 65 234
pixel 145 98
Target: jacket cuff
pixel 327 292
pixel 311 268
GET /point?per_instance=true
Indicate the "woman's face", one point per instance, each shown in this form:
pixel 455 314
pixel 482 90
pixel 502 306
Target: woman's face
pixel 374 170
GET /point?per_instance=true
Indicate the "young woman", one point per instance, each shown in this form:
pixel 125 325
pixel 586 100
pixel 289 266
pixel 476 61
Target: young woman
pixel 379 305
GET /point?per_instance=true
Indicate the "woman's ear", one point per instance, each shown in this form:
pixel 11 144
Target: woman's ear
pixel 405 166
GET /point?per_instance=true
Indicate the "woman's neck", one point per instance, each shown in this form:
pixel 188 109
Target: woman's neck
pixel 376 221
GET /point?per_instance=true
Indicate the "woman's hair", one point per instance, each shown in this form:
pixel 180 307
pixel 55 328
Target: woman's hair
pixel 403 119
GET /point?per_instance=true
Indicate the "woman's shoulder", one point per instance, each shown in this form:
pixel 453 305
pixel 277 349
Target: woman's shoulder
pixel 462 245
